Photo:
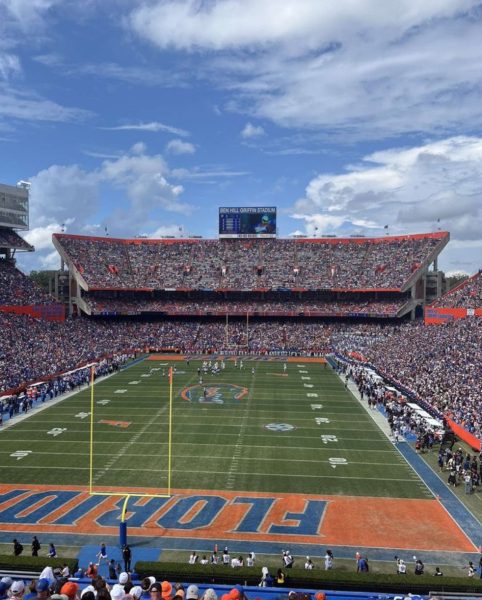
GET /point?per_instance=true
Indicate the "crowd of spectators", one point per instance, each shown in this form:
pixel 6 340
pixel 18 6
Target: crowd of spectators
pixel 466 295
pixel 441 365
pixel 11 239
pixel 381 263
pixel 138 304
pixel 18 289
pixel 22 401
pixel 33 349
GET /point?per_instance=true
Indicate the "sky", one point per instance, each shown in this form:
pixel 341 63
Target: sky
pixel 143 117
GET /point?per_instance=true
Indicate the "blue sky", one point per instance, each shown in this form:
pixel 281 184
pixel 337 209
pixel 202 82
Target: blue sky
pixel 146 116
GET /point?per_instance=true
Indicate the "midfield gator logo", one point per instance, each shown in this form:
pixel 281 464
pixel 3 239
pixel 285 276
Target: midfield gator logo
pixel 214 394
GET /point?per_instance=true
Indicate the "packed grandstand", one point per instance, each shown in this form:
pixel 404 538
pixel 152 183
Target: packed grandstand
pixel 298 297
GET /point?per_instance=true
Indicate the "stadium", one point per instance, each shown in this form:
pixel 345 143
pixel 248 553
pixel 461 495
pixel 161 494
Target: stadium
pixel 248 392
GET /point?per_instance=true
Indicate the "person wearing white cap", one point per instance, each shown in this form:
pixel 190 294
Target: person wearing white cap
pixel 117 592
pixel 87 589
pixel 192 592
pixel 136 592
pixel 48 573
pixel 17 589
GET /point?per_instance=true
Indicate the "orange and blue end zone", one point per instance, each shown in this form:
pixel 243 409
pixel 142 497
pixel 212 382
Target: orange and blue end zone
pixel 248 517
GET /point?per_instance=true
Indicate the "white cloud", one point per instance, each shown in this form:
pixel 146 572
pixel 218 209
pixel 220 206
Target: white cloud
pixel 50 261
pixel 16 104
pixel 27 11
pixel 210 173
pixel 408 188
pixel 51 59
pixel 134 75
pixel 144 180
pixel 355 69
pixel 9 65
pixel 180 147
pixel 139 148
pixel 252 131
pixel 153 126
pixel 41 237
pixel 174 230
pixel 22 21
pixel 61 193
pixel 69 196
pixel 246 23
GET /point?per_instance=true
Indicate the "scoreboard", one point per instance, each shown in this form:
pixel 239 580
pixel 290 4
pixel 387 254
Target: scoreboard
pixel 247 222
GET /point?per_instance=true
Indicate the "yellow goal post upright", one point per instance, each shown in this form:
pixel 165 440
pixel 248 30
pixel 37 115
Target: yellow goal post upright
pixel 132 493
pixel 226 334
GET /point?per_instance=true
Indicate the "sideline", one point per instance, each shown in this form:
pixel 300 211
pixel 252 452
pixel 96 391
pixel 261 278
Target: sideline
pixel 462 516
pixel 39 406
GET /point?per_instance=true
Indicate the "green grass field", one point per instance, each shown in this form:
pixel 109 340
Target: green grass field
pixel 269 440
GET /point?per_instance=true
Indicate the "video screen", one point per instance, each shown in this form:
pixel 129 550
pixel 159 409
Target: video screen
pixel 247 222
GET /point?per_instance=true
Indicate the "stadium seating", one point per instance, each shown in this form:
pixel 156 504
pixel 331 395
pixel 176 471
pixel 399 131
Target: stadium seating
pixel 11 239
pixel 33 349
pixel 288 306
pixel 17 289
pixel 441 365
pixel 466 295
pixel 236 264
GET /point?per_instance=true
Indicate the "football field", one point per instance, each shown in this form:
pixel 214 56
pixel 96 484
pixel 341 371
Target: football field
pixel 268 451
pixel 295 431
